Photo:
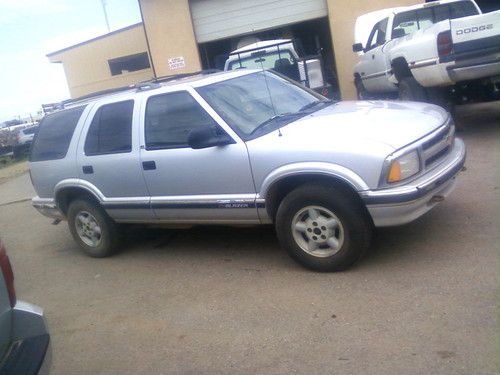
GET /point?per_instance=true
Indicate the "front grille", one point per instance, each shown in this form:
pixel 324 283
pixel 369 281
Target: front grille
pixel 436 148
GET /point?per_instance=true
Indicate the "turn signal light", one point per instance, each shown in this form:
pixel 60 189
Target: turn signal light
pixel 394 172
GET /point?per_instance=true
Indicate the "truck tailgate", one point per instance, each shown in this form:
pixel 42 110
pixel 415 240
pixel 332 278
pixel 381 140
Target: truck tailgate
pixel 474 33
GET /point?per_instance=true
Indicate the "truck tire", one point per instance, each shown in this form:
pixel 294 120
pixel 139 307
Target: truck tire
pixel 94 231
pixel 361 92
pixel 323 228
pixel 410 89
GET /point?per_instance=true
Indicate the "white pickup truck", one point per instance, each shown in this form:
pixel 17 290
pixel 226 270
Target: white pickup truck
pixel 281 56
pixel 440 52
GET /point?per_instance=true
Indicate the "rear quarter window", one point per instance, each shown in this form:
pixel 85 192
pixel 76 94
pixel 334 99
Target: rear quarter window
pixel 54 135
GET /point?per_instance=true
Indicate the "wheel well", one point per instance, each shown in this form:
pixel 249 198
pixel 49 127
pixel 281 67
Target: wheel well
pixel 280 189
pixel 400 68
pixel 65 196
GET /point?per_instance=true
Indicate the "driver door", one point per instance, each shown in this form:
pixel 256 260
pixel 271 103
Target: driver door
pixel 374 68
pixel 212 184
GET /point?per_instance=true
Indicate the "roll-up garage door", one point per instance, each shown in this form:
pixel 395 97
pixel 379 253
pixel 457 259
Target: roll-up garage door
pixel 218 19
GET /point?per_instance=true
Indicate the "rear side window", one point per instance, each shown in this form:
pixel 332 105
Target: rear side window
pixel 54 135
pixel 111 129
pixel 170 118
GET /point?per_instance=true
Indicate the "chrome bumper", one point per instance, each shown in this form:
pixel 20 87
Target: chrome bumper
pixel 47 207
pixel 403 204
pixel 475 69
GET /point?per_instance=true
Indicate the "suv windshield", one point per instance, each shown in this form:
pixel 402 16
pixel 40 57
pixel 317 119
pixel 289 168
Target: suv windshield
pixel 257 103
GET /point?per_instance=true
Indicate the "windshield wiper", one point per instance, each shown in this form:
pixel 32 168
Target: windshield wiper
pixel 313 104
pixel 271 120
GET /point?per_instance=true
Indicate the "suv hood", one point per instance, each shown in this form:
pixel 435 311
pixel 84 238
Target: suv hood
pixel 395 124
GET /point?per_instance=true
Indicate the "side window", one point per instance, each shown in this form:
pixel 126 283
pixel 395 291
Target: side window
pixel 382 28
pixel 441 13
pixel 425 18
pixel 111 129
pixel 170 118
pixel 372 40
pixel 54 135
pixel 462 9
pixel 377 36
pixel 406 21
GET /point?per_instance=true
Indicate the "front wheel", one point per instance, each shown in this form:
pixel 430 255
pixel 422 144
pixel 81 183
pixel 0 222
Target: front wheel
pixel 95 232
pixel 323 228
pixel 361 92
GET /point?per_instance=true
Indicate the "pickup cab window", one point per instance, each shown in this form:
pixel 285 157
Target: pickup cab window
pixel 378 35
pixel 262 59
pixel 414 20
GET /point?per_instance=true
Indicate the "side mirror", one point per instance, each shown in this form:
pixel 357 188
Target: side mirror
pixel 208 137
pixel 357 47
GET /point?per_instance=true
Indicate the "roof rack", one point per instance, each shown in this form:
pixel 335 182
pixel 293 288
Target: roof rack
pixel 140 86
pixel 174 77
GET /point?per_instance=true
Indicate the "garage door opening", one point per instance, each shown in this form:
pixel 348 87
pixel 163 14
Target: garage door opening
pixel 311 38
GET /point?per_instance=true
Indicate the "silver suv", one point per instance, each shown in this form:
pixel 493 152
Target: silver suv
pixel 243 147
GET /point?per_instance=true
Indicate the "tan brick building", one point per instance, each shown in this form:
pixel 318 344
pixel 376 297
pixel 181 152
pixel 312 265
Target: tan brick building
pixel 179 36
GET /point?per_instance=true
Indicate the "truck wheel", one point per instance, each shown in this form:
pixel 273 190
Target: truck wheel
pixel 410 89
pixel 322 228
pixel 361 92
pixel 95 232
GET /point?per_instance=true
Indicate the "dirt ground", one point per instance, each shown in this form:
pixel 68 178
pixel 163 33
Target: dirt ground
pixel 13 170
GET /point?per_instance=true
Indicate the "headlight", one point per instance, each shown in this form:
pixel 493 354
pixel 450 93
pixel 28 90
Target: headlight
pixel 403 167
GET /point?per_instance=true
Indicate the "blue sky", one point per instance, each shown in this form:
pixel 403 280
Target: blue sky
pixel 30 29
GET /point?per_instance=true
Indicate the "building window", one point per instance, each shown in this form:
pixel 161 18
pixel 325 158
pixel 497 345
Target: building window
pixel 129 63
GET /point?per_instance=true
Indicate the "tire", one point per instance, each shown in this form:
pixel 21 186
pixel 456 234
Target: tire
pixel 410 89
pixel 361 92
pixel 94 231
pixel 323 228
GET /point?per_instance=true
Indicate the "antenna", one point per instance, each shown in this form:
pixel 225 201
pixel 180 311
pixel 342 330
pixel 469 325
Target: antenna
pixel 269 93
pixel 103 2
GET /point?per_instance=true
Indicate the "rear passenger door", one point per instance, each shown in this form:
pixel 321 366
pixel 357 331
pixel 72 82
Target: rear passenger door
pixel 108 159
pixel 213 184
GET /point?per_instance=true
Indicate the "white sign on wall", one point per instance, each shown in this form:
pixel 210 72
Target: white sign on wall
pixel 176 63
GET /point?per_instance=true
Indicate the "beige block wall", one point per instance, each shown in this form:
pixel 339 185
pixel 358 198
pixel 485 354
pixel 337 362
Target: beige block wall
pixel 342 15
pixel 86 65
pixel 170 33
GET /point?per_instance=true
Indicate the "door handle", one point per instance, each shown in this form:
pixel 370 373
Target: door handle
pixel 87 169
pixel 148 165
pixel 373 57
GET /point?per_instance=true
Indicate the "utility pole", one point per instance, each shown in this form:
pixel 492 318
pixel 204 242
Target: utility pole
pixel 103 2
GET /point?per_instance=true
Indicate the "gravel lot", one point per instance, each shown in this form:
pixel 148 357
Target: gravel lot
pixel 225 300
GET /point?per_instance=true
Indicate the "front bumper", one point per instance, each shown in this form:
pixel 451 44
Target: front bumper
pixel 403 204
pixel 47 207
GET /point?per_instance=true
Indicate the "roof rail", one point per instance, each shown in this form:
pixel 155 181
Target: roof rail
pixel 184 75
pixel 140 86
pixel 94 95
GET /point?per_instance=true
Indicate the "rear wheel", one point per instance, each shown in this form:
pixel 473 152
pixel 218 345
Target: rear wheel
pixel 95 232
pixel 410 89
pixel 323 228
